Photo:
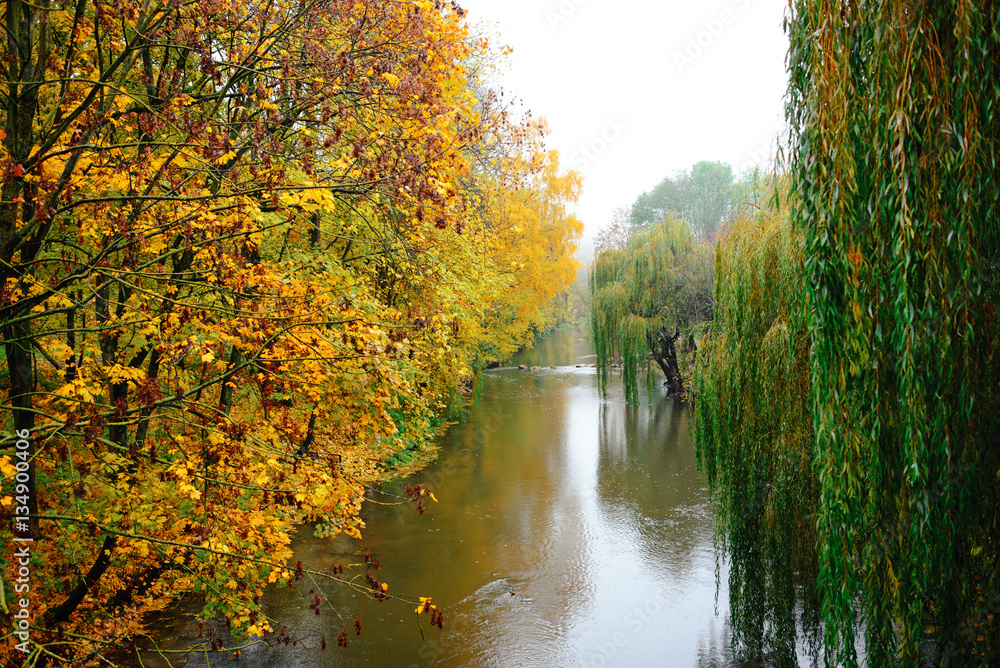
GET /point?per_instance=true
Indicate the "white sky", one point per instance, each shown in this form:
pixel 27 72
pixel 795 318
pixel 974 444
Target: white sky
pixel 648 87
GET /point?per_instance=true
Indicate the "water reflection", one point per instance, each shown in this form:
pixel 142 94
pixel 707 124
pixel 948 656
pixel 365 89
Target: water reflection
pixel 570 531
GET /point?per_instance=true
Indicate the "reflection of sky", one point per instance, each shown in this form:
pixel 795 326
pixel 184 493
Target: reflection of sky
pixel 625 569
pixel 653 558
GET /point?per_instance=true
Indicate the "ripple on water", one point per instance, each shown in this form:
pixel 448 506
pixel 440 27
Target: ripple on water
pixel 498 625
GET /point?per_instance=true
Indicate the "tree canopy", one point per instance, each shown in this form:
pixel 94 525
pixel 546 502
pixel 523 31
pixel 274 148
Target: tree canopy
pixel 643 296
pixel 248 250
pixel 703 196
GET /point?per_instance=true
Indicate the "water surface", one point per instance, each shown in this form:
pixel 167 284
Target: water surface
pixel 570 531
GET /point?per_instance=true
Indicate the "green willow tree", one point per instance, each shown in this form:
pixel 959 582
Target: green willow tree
pixel 644 297
pixel 894 109
pixel 754 433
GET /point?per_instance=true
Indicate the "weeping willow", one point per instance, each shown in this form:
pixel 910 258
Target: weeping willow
pixel 639 295
pixel 754 434
pixel 895 109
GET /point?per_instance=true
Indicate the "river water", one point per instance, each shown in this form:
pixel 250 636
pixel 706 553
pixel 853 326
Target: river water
pixel 570 532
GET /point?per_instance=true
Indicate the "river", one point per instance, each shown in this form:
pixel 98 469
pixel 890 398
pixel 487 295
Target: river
pixel 570 532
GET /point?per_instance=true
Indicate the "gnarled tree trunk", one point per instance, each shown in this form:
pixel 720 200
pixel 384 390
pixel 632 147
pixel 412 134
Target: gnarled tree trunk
pixel 665 354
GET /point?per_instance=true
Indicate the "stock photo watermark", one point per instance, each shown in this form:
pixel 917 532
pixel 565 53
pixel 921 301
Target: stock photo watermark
pixel 556 15
pixel 21 561
pixel 586 155
pixel 634 622
pixel 711 30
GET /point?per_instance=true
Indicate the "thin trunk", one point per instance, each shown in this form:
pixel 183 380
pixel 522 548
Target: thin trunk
pixel 314 231
pixel 228 387
pixel 19 104
pixel 20 365
pixel 62 611
pixel 310 435
pixel 70 372
pixel 117 433
pixel 143 428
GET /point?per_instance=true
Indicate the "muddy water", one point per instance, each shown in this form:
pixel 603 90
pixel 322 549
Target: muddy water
pixel 570 531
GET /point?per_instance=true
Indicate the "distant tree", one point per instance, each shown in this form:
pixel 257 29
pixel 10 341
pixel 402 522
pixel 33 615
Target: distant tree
pixel 671 195
pixel 703 196
pixel 645 297
pixel 711 197
pixel 615 235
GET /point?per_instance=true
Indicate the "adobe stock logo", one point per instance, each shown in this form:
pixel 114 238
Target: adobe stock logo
pixel 562 12
pixel 635 621
pixel 585 156
pixel 712 29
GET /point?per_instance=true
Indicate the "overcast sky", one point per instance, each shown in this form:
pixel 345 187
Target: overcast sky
pixel 635 91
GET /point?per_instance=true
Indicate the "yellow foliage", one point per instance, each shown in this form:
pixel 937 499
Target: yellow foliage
pixel 247 295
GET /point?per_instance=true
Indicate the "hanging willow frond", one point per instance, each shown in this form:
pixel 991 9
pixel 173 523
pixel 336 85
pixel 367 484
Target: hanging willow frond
pixel 894 109
pixel 896 113
pixel 753 429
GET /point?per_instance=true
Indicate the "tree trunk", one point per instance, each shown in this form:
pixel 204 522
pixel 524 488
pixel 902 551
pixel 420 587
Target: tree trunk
pixel 61 612
pixel 20 366
pixel 228 388
pixel 665 354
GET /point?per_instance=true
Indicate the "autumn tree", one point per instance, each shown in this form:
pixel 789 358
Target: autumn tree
pixel 614 235
pixel 533 239
pixel 235 243
pixel 517 207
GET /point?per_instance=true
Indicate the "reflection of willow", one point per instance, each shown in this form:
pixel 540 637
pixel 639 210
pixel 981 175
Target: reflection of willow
pixel 619 429
pixel 648 477
pixel 714 650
